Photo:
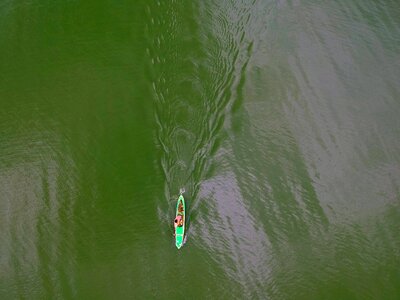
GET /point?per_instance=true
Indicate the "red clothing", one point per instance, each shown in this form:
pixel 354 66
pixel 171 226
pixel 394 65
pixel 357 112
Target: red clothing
pixel 178 221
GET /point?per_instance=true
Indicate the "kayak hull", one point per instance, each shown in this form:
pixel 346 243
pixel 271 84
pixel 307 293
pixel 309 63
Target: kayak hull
pixel 180 231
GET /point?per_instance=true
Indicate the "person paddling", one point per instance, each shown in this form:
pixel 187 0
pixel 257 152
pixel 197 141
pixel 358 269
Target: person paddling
pixel 178 221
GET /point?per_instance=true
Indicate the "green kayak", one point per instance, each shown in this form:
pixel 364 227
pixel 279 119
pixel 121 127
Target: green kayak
pixel 180 228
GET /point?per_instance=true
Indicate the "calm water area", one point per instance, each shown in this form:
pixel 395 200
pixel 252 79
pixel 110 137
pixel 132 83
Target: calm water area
pixel 280 118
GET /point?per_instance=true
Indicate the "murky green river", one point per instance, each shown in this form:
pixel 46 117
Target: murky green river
pixel 280 118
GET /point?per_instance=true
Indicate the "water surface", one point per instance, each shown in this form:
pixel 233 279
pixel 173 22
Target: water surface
pixel 280 118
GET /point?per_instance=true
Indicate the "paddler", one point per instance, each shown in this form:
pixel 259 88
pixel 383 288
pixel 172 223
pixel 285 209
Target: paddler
pixel 178 221
pixel 180 208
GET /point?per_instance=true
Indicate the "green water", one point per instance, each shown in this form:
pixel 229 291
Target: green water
pixel 280 119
